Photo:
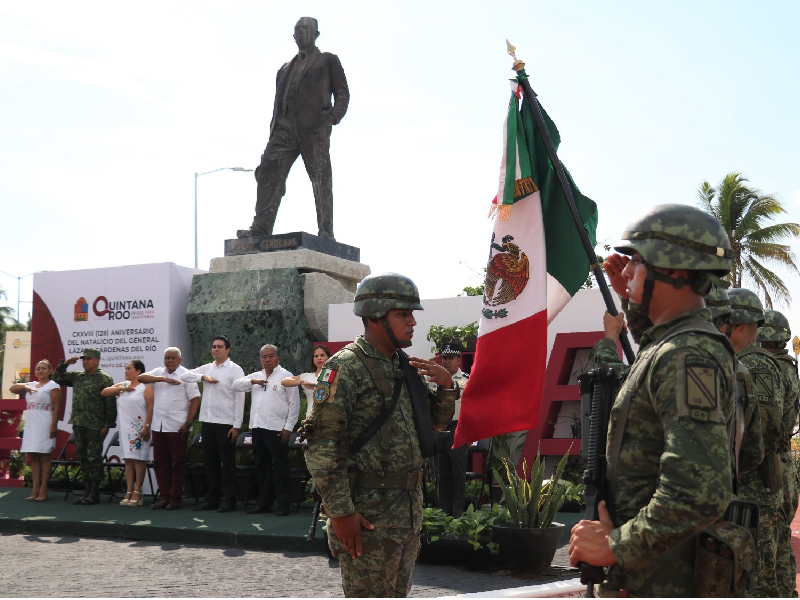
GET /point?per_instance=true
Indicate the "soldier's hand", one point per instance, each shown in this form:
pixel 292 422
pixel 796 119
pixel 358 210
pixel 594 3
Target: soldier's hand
pixel 613 265
pixel 589 540
pixel 613 325
pixel 348 530
pixel 433 372
pixel 71 360
pixel 103 433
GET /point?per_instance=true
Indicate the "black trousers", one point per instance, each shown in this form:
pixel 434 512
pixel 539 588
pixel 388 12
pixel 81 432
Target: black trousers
pixel 452 472
pixel 272 467
pixel 219 462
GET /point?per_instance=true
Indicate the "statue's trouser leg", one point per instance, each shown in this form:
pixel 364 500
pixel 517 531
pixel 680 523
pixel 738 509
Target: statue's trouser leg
pixel 315 150
pixel 276 161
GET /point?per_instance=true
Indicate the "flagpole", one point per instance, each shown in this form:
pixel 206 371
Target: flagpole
pixel 596 268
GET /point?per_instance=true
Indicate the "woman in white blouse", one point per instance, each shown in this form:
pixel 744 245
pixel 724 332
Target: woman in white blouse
pixel 41 425
pixel 309 380
pixel 134 414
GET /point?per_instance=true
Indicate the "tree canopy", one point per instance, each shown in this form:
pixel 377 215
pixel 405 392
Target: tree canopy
pixel 747 216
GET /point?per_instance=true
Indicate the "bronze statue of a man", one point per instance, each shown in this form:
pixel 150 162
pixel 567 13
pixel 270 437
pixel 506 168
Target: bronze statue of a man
pixel 302 119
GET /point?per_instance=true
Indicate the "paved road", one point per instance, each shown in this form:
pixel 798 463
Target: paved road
pixel 38 566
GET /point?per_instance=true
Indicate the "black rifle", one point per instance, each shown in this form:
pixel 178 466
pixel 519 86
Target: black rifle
pixel 598 389
pixel 312 531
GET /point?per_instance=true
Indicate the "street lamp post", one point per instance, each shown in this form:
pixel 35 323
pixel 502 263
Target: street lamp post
pixel 19 279
pixel 196 175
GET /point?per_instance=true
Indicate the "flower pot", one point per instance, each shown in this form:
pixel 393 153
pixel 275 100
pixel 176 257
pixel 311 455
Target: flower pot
pixel 455 550
pixel 527 550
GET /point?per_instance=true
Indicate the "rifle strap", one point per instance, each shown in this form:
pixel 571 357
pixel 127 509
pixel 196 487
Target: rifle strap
pixel 381 381
pixel 637 375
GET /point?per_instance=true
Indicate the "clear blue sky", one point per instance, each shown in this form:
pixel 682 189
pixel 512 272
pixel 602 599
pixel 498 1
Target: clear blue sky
pixel 107 110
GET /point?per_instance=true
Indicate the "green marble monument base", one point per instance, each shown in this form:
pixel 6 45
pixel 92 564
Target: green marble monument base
pixel 251 308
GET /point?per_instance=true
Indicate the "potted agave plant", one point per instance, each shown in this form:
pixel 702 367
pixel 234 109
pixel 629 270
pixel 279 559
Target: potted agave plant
pixel 529 540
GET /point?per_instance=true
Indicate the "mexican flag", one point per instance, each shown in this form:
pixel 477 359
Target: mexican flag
pixel 536 264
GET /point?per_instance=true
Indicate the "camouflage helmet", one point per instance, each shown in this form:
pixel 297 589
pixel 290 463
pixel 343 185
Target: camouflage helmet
pixel 717 302
pixel 775 329
pixel 678 236
pixel 378 294
pixel 745 307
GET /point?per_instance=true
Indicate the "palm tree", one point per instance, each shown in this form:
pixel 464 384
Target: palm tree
pixel 6 312
pixel 745 214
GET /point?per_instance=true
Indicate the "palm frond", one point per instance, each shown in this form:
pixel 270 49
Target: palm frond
pixel 773 233
pixel 766 282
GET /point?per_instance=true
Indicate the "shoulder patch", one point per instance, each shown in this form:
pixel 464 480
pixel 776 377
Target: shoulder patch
pixel 697 388
pixel 325 391
pixel 764 384
pixel 328 373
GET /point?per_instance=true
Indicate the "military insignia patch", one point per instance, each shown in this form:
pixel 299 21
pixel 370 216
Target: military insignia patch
pixel 322 392
pixel 696 388
pixel 327 375
pixel 764 385
pixel 701 386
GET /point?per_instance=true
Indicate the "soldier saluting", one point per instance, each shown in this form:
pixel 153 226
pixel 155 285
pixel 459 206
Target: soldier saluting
pixel 92 417
pixel 669 466
pixel 372 426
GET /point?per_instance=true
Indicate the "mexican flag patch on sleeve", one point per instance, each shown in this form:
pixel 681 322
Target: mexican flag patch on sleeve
pixel 327 375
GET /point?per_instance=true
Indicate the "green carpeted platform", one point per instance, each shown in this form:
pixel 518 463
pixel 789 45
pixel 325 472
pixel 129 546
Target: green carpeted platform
pixel 57 516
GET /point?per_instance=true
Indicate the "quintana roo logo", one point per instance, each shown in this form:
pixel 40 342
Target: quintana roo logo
pixel 510 267
pixel 81 310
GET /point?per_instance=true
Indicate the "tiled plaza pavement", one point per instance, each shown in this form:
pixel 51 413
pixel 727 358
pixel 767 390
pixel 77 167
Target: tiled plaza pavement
pixel 55 549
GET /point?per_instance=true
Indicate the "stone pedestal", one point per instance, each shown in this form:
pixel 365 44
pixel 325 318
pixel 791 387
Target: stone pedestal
pixel 291 241
pixel 326 279
pixel 277 297
pixel 251 308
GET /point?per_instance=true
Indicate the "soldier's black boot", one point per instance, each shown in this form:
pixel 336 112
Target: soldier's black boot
pixel 94 494
pixel 87 486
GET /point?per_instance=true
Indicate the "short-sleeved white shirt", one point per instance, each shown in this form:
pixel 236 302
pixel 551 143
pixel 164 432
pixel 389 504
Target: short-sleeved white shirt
pixel 171 404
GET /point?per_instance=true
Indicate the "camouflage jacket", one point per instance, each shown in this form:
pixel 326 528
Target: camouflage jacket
pixel 604 354
pixel 768 388
pixel 341 413
pixel 751 452
pixel 674 468
pixel 89 408
pixel 791 387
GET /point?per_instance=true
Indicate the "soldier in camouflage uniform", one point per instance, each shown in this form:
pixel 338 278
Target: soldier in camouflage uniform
pixel 372 495
pixel 773 336
pixel 669 467
pixel 92 417
pixel 747 440
pixel 763 485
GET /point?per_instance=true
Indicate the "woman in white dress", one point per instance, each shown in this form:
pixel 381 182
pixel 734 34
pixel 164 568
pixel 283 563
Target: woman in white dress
pixel 134 414
pixel 41 425
pixel 309 380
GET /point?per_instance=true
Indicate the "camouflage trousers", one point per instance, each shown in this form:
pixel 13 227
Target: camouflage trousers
pixel 786 565
pixel 89 451
pixel 385 567
pixel 769 523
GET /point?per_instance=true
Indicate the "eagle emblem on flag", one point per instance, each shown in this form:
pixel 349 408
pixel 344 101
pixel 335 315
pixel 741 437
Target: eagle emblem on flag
pixel 510 267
